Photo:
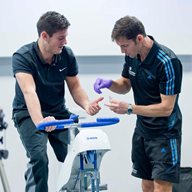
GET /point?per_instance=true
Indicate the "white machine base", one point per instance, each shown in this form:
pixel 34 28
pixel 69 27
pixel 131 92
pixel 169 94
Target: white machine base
pixel 80 170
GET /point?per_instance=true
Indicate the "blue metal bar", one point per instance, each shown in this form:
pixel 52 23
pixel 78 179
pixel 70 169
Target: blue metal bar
pixel 67 123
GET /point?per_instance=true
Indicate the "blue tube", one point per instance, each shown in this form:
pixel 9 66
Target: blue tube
pixel 112 120
pixel 60 124
pixel 100 122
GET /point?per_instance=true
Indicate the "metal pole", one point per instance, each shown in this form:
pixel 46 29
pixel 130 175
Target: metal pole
pixel 82 174
pixel 3 176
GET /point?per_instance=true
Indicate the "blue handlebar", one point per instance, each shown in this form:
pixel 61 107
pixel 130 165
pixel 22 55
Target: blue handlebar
pixel 61 123
pixel 100 122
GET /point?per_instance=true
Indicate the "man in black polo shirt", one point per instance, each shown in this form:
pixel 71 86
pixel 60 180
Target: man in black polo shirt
pixel 41 70
pixel 155 74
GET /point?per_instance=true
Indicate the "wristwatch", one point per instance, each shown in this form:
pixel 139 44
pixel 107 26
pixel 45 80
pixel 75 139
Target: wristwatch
pixel 130 109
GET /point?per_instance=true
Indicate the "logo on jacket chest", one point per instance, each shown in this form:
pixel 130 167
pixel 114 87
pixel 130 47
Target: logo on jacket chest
pixel 131 72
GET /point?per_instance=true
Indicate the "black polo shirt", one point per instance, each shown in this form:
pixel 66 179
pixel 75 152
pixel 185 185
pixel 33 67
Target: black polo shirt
pixel 49 79
pixel 159 73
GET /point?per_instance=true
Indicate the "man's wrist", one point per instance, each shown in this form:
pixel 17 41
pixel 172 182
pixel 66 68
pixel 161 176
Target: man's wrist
pixel 109 83
pixel 130 109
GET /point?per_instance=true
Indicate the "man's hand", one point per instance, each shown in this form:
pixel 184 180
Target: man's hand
pixel 93 107
pixel 101 83
pixel 47 119
pixel 118 107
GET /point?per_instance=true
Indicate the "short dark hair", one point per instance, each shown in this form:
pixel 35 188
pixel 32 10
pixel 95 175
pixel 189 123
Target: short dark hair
pixel 129 27
pixel 51 22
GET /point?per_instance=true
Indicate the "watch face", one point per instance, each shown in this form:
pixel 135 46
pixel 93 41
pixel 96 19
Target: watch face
pixel 130 110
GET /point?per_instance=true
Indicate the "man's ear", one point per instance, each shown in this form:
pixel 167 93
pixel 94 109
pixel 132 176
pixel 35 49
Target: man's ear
pixel 139 38
pixel 44 35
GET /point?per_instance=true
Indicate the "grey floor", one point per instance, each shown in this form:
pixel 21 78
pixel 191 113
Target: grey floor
pixel 116 165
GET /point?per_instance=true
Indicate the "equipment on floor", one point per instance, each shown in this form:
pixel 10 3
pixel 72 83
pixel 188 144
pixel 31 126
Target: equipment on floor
pixel 80 170
pixel 3 152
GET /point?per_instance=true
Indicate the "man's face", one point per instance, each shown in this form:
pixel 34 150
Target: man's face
pixel 129 47
pixel 56 42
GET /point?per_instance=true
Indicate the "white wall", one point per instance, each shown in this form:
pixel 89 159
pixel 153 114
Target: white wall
pixel 116 164
pixel 92 22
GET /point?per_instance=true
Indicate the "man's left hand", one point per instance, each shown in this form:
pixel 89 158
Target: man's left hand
pixel 93 107
pixel 117 106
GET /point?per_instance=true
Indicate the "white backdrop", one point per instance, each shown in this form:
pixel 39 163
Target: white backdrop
pixel 92 22
pixel 116 164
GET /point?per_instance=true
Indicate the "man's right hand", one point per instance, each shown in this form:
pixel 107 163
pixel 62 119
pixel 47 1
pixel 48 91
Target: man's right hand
pixel 102 83
pixel 47 119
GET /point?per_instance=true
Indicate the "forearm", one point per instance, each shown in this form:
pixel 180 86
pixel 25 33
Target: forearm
pixel 28 87
pixel 116 88
pixel 120 86
pixel 33 107
pixel 80 97
pixel 164 108
pixel 155 110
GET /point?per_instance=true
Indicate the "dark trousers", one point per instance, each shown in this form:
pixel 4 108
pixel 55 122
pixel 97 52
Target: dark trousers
pixel 35 143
